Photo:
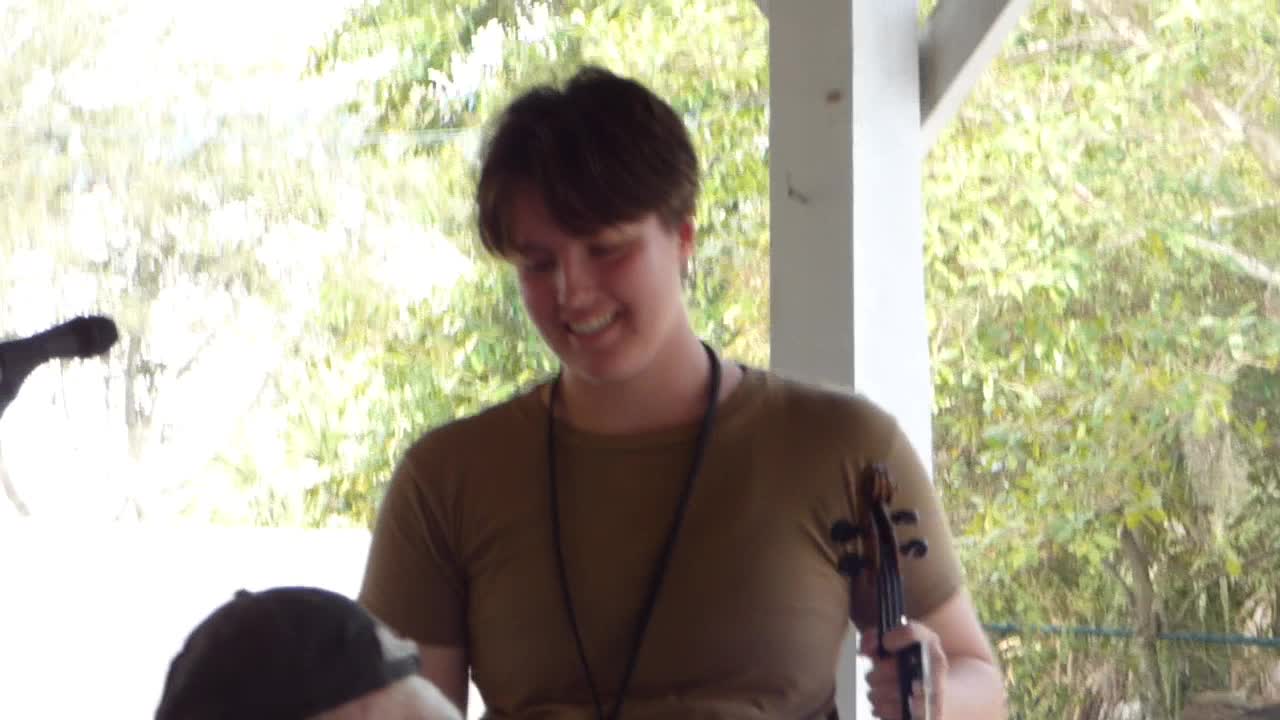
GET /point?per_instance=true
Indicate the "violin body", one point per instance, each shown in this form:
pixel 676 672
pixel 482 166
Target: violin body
pixel 869 544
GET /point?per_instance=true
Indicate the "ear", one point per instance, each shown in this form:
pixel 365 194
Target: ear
pixel 687 234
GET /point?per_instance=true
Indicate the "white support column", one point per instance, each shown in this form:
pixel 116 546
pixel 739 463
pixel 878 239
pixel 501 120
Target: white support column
pixel 847 295
pixel 811 59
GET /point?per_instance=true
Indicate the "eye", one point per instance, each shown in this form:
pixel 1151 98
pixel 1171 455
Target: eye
pixel 606 250
pixel 537 264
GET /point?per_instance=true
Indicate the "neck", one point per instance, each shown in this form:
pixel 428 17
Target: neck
pixel 671 392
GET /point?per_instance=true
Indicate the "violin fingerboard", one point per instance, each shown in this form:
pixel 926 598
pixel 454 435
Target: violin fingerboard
pixel 913 667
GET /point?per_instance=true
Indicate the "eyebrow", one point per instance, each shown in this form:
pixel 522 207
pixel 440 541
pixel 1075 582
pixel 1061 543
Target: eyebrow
pixel 614 235
pixel 619 234
pixel 522 248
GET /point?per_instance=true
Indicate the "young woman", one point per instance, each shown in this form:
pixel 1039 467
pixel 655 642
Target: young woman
pixel 646 534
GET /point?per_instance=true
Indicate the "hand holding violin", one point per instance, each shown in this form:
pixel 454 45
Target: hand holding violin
pixel 884 682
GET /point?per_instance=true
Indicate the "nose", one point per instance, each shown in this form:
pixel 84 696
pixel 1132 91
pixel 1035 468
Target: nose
pixel 575 277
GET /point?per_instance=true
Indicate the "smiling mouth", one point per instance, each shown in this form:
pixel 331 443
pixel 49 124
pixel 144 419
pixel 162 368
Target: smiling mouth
pixel 593 325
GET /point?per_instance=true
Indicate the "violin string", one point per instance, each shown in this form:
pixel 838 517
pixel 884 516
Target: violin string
pixel 899 598
pixel 886 609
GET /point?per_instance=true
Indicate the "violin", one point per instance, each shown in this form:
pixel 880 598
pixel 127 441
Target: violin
pixel 869 543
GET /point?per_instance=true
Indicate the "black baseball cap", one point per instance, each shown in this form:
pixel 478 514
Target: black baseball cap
pixel 285 653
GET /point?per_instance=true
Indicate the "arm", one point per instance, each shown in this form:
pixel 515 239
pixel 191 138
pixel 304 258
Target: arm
pixel 413 581
pixel 446 668
pixel 967 681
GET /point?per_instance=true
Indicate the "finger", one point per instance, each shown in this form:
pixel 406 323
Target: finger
pixel 882 673
pixel 900 637
pixel 937 659
pixel 884 705
pixel 920 700
pixel 867 642
pixel 917 700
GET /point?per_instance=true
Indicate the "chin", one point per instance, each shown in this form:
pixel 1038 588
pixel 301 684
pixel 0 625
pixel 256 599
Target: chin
pixel 618 363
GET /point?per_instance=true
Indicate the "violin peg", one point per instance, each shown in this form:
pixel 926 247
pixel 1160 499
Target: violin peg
pixel 844 531
pixel 850 565
pixel 915 548
pixel 904 517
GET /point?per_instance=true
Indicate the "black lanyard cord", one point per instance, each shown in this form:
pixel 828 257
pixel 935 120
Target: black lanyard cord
pixel 664 560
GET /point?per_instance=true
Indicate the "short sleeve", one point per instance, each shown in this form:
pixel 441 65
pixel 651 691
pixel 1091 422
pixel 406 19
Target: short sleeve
pixel 412 580
pixel 929 581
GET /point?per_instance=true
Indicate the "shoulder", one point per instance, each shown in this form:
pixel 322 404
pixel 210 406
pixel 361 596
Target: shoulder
pixel 486 443
pixel 429 485
pixel 827 410
pixel 479 432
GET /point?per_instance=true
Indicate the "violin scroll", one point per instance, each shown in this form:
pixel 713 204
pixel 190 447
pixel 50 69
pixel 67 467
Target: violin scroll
pixel 868 542
pixel 874 489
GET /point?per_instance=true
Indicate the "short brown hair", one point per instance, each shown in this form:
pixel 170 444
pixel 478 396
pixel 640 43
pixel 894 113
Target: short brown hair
pixel 603 150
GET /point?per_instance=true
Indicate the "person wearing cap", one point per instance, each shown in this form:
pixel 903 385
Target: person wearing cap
pixel 297 653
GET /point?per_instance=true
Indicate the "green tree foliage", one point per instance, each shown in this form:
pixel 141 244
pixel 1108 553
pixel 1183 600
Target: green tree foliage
pixel 1104 297
pixel 1103 275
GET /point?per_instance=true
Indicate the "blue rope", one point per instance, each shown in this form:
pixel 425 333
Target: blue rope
pixel 1192 637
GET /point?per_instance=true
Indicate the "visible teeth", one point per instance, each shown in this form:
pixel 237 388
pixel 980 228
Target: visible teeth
pixel 593 325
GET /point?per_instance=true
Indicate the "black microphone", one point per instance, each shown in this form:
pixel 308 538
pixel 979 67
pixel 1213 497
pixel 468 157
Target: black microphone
pixel 79 338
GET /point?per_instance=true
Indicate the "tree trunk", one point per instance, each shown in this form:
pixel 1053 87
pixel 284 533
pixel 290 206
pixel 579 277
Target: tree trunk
pixel 137 399
pixel 1147 626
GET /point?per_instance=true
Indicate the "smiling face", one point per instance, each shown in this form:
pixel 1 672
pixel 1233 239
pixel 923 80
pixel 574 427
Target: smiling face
pixel 609 302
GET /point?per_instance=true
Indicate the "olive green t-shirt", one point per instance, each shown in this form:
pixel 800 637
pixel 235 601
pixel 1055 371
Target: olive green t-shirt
pixel 752 612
